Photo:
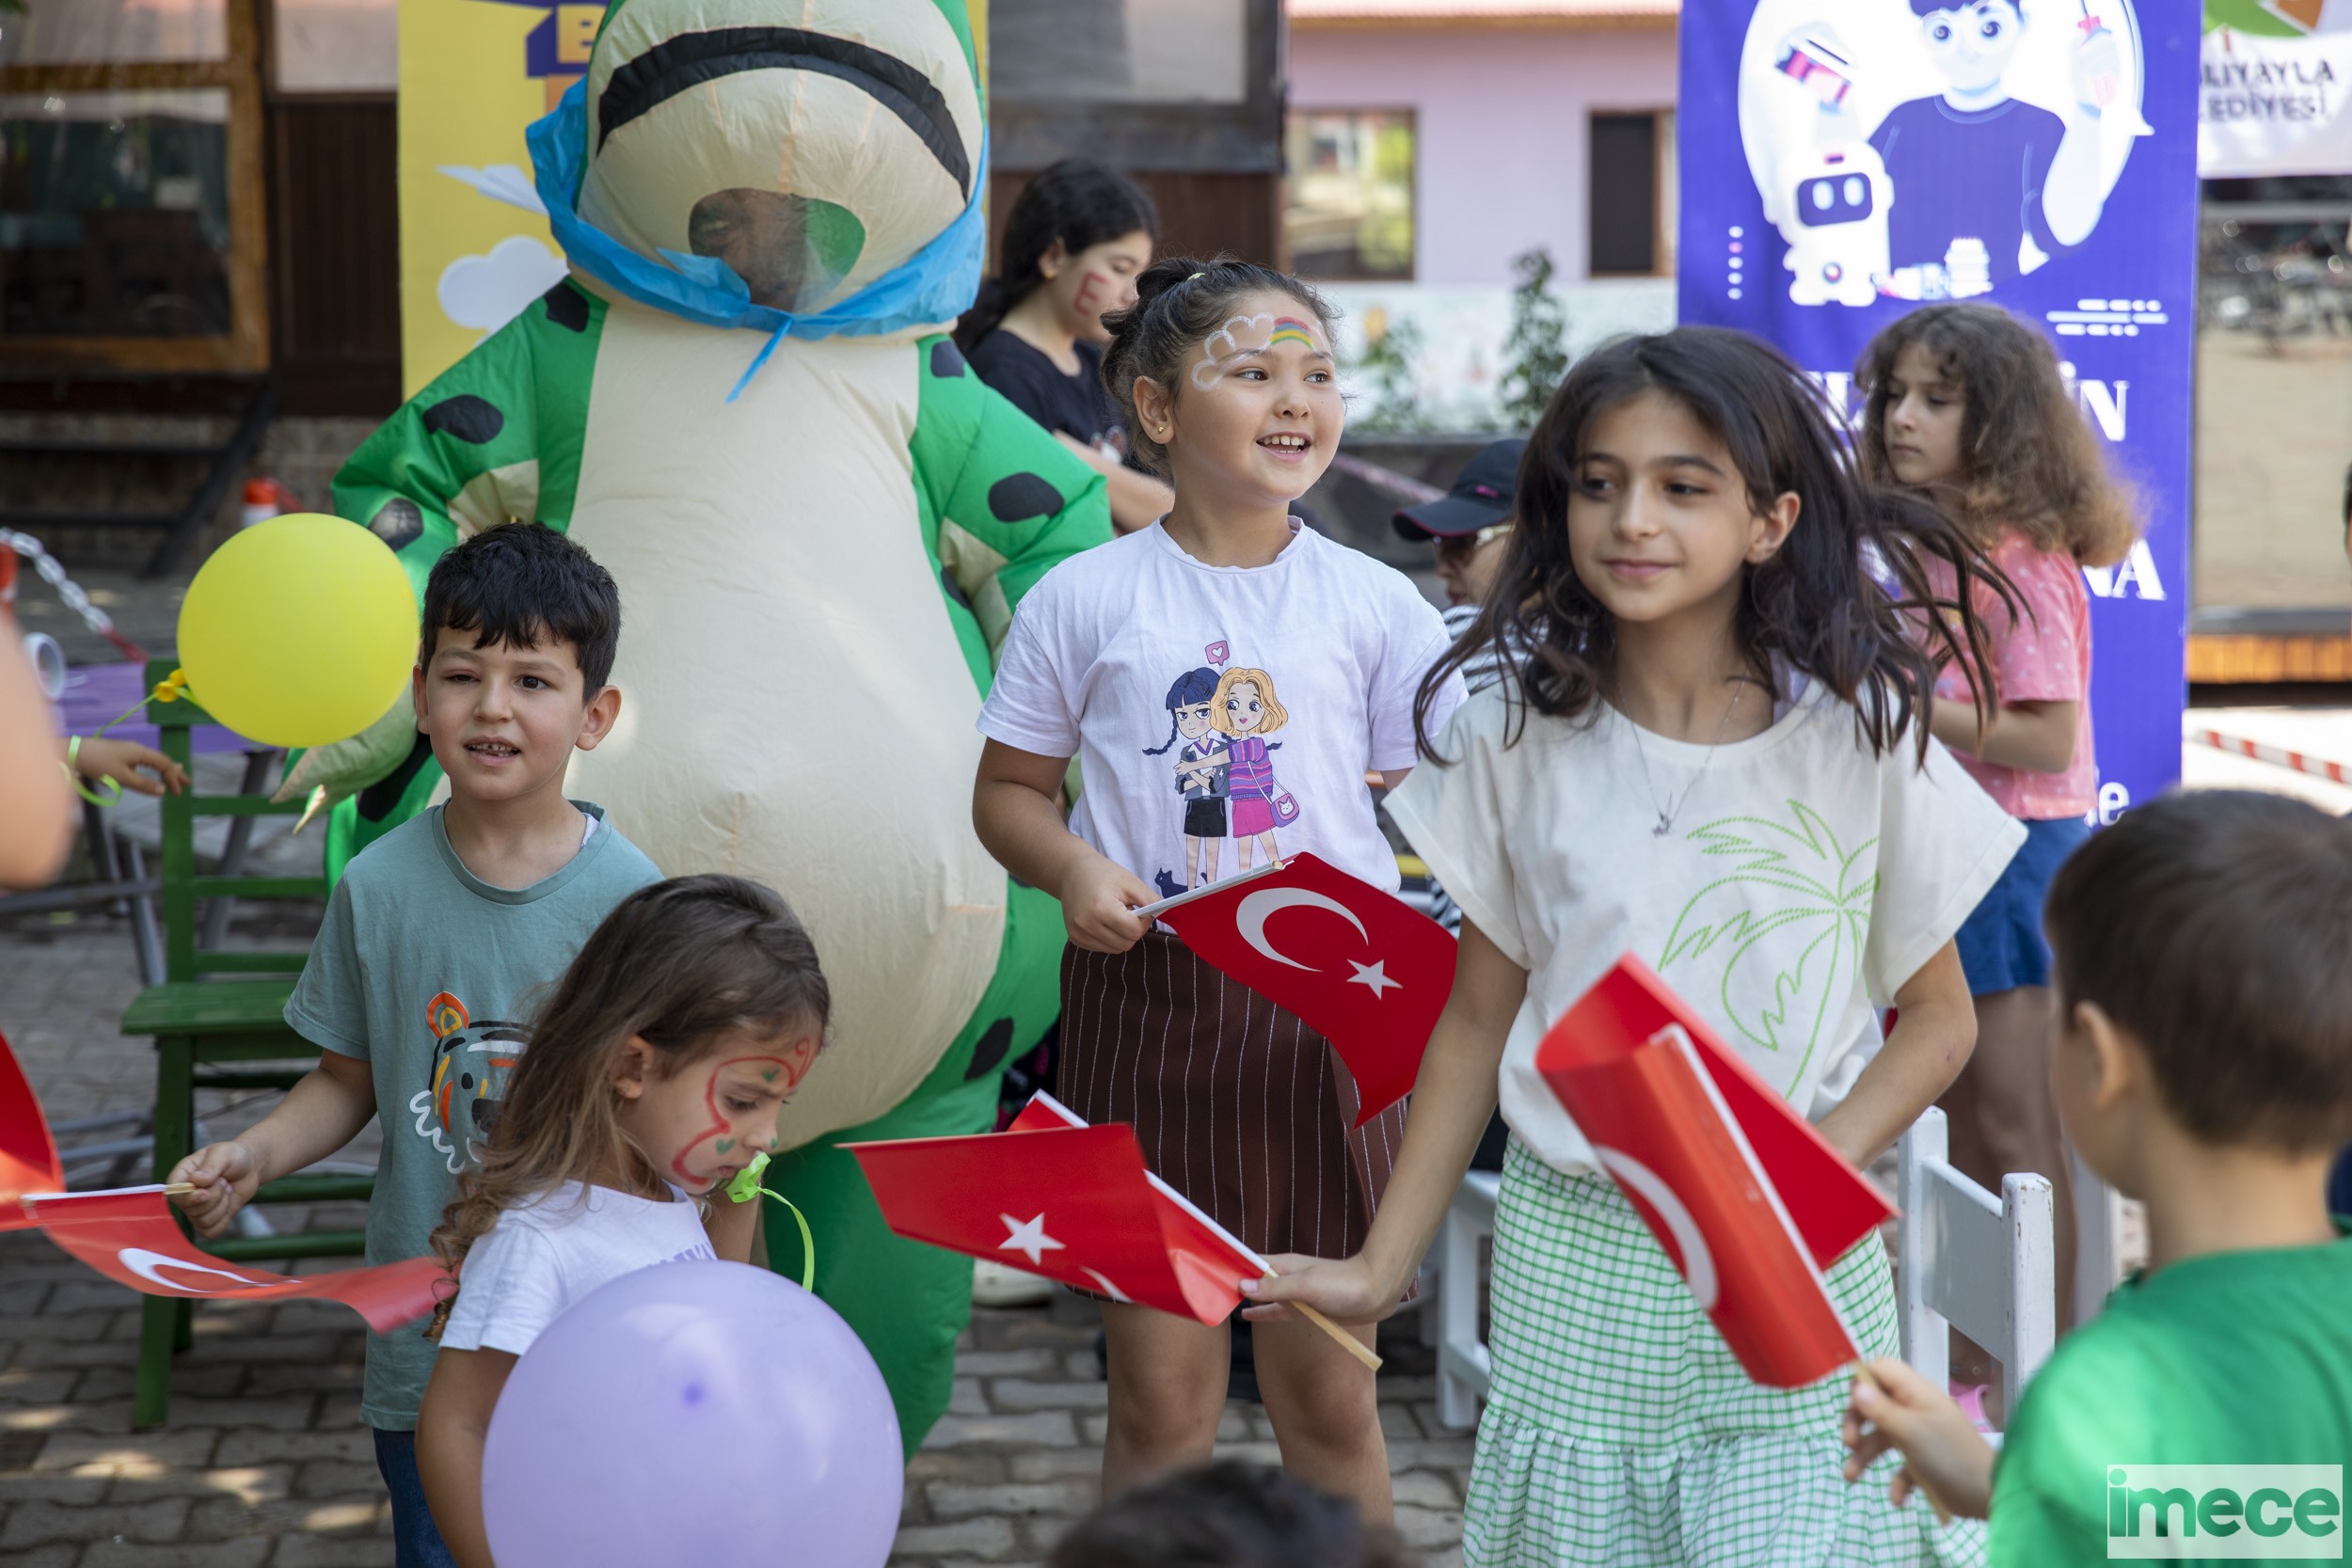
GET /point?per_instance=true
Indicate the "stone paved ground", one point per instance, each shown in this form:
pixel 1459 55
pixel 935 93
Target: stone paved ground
pixel 266 1464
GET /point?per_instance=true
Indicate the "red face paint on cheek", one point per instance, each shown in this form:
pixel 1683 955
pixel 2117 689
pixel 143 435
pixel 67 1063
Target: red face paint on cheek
pixel 1093 292
pixel 782 1071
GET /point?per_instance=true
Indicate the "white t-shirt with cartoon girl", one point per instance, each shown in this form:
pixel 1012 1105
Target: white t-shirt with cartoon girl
pixel 1221 715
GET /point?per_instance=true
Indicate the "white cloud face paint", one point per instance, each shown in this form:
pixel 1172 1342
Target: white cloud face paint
pixel 1246 336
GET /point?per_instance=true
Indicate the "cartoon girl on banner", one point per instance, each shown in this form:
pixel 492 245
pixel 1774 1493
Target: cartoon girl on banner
pixel 1246 710
pixel 1933 149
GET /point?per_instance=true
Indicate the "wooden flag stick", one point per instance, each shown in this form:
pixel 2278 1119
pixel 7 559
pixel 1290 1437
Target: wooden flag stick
pixel 1347 1341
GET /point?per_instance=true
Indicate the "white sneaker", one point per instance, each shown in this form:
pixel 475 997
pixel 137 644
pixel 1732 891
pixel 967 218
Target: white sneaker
pixel 995 1285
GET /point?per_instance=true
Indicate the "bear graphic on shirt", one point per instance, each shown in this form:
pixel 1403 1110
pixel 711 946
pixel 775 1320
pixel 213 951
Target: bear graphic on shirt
pixel 471 1063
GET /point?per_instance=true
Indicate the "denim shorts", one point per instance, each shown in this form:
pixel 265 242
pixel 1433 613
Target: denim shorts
pixel 416 1538
pixel 2001 944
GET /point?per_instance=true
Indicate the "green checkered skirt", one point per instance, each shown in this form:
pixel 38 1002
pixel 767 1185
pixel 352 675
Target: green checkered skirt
pixel 1620 1431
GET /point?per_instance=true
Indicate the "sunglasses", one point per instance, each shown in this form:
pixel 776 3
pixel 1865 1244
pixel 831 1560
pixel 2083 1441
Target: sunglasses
pixel 1469 544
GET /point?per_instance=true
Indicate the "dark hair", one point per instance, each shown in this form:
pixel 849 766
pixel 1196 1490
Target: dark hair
pixel 2214 927
pixel 1876 645
pixel 1227 1515
pixel 1179 302
pixel 2028 459
pixel 516 585
pixel 684 965
pixel 1079 202
pixel 2348 499
pixel 1192 686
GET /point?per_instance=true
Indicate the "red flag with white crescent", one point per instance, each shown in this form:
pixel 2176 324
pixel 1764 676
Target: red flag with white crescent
pixel 1362 968
pixel 129 1235
pixel 1053 1197
pixel 29 1155
pixel 1745 1196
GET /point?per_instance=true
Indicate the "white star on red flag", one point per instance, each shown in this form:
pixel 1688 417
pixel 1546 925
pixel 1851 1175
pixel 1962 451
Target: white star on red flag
pixel 1028 1236
pixel 1374 976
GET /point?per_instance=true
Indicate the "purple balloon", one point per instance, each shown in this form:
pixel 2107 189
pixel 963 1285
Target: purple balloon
pixel 689 1415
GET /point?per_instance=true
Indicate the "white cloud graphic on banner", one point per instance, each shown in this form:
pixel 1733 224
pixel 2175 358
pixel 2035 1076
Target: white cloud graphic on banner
pixel 484 292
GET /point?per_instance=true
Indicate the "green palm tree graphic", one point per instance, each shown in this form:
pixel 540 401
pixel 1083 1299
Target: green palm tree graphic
pixel 1831 888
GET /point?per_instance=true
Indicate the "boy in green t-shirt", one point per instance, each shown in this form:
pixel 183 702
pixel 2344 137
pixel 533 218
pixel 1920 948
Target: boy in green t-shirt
pixel 2203 1066
pixel 421 978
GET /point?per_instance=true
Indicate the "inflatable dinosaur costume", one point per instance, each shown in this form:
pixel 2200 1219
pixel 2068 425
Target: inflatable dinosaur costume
pixel 815 567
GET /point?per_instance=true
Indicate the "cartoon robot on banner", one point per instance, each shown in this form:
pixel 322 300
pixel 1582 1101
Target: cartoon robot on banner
pixel 1834 190
pixel 743 402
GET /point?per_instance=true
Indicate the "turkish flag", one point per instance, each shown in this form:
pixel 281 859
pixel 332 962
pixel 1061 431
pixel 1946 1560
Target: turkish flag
pixel 29 1155
pixel 1053 1197
pixel 1364 969
pixel 1746 1197
pixel 129 1235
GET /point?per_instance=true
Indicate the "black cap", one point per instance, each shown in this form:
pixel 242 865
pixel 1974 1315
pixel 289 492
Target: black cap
pixel 1481 497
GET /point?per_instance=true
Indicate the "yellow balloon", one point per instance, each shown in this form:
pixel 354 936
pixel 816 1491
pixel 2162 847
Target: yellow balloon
pixel 299 631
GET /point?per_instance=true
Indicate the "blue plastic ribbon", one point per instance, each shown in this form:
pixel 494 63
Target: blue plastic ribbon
pixel 935 284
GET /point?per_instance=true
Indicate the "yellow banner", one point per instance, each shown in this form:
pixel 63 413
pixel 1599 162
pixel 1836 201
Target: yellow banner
pixel 474 75
pixel 474 248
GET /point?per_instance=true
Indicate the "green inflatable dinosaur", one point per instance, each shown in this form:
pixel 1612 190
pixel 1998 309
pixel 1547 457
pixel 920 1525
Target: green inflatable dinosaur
pixel 743 403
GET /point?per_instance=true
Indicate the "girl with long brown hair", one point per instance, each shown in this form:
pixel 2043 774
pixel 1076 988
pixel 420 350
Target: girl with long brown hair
pixel 1967 409
pixel 653 1079
pixel 1709 750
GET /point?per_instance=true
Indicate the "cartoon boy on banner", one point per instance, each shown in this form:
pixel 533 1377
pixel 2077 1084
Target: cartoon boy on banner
pixel 1934 148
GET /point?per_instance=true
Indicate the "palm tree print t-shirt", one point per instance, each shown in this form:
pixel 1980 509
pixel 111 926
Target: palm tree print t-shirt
pixel 1803 880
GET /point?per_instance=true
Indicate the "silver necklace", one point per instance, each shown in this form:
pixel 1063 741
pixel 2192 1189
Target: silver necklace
pixel 1666 813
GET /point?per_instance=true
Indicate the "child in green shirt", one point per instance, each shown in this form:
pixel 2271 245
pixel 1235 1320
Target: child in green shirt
pixel 2203 1066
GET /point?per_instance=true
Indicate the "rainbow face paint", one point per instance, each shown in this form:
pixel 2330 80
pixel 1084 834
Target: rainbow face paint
pixel 1289 329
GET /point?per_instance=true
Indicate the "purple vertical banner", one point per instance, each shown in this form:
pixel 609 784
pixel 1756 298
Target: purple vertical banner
pixel 1845 160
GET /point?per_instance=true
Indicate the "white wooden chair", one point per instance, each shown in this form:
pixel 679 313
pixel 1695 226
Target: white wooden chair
pixel 1464 1370
pixel 1963 1258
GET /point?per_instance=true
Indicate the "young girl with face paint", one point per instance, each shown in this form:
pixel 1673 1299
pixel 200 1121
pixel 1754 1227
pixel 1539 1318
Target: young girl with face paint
pixel 652 1080
pixel 1226 370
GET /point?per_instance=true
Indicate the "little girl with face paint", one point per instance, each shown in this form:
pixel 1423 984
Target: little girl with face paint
pixel 1226 370
pixel 652 1082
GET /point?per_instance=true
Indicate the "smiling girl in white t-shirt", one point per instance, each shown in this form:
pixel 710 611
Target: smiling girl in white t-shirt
pixel 1306 657
pixel 1709 750
pixel 652 1080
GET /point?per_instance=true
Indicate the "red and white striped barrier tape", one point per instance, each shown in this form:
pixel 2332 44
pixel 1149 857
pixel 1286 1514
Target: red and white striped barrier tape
pixel 2318 768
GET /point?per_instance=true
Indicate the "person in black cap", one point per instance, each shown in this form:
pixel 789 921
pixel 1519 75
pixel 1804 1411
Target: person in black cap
pixel 1470 526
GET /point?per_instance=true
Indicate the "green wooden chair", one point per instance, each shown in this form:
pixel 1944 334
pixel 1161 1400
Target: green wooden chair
pixel 219 1023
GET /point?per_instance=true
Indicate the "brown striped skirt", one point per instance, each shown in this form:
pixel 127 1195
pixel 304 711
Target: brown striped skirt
pixel 1239 1104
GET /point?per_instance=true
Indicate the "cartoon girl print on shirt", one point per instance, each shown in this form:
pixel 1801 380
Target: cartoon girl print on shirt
pixel 1199 774
pixel 1246 710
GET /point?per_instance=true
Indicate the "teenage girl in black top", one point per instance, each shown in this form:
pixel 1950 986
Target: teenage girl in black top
pixel 1072 245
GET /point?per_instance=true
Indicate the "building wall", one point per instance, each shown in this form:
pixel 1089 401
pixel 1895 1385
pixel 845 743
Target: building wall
pixel 1501 115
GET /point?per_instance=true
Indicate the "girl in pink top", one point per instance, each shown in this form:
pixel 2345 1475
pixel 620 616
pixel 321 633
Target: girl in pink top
pixel 1967 407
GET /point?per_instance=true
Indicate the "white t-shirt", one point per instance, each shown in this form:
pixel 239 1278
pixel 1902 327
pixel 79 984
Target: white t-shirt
pixel 1802 883
pixel 542 1257
pixel 1126 656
